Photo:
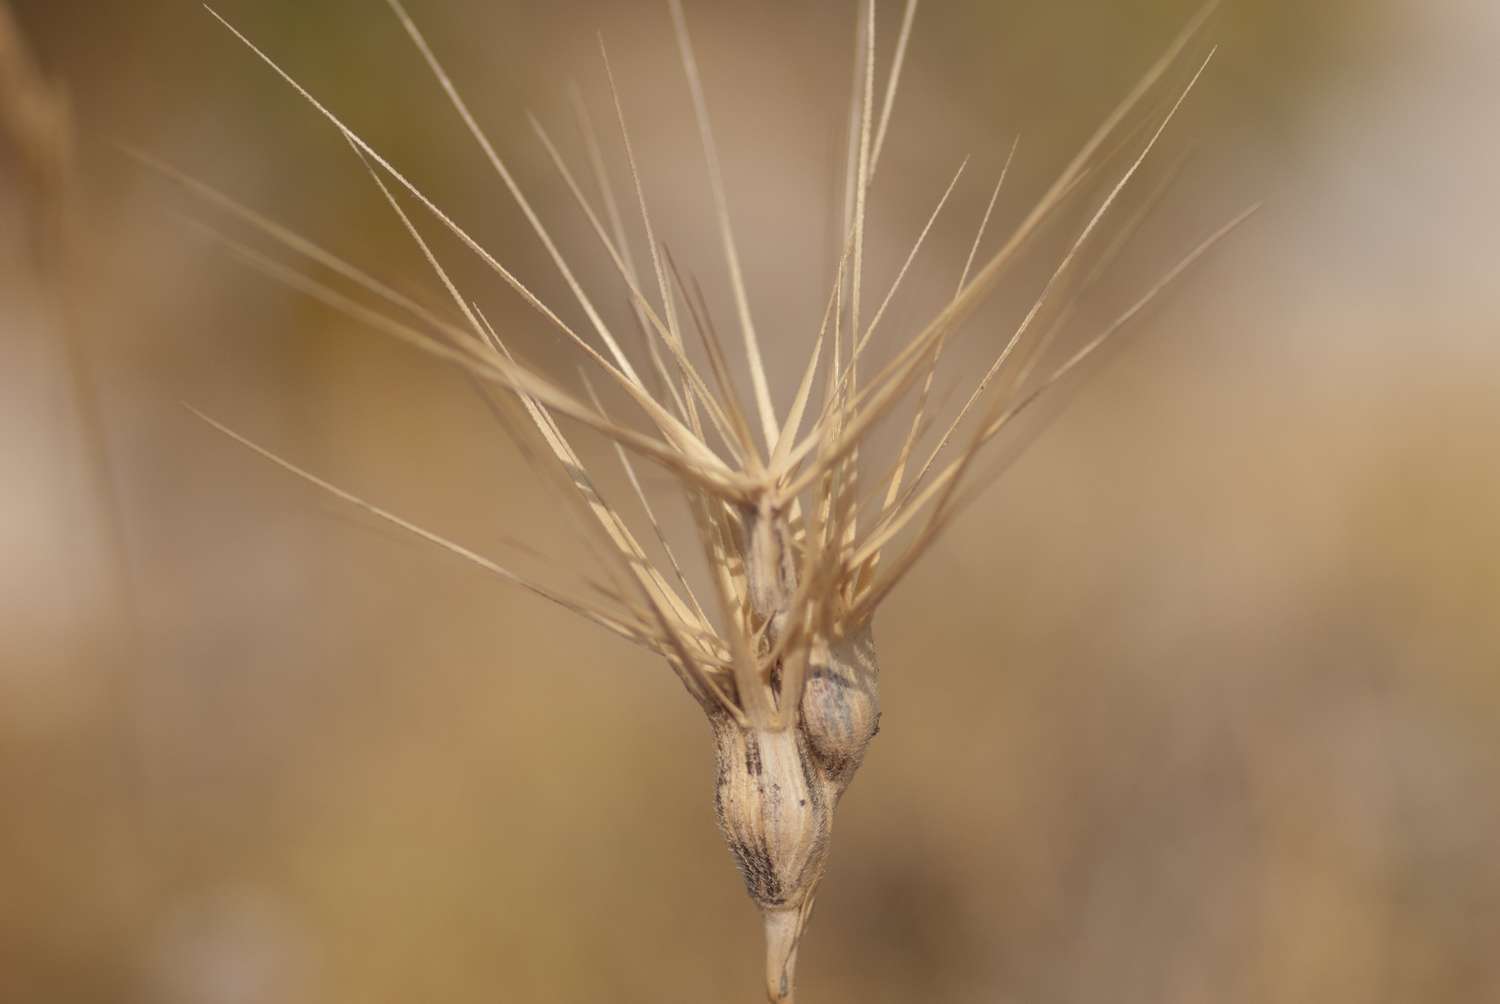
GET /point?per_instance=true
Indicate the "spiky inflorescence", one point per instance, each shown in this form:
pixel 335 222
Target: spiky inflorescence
pixel 796 546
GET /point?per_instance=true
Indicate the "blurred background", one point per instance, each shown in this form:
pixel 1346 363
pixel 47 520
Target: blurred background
pixel 1200 702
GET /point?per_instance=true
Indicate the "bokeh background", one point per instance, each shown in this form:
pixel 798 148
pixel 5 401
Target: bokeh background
pixel 1201 702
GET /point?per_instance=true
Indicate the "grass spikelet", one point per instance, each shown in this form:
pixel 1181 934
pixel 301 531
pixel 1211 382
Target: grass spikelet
pixel 802 544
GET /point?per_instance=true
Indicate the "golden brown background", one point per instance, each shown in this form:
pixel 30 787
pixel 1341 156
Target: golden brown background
pixel 1202 703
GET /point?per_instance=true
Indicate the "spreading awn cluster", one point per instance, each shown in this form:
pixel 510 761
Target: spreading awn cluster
pixel 802 542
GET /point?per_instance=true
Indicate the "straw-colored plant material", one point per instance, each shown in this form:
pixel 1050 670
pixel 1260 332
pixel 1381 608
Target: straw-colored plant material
pixel 802 545
pixel 37 145
pixel 36 138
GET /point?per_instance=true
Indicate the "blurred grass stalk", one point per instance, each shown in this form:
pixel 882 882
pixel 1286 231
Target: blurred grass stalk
pixel 37 135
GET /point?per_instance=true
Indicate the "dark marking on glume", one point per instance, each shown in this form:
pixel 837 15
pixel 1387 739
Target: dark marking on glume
pixel 836 765
pixel 759 873
pixel 810 779
pixel 752 755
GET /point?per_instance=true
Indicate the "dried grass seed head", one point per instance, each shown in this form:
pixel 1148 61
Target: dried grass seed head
pixel 797 537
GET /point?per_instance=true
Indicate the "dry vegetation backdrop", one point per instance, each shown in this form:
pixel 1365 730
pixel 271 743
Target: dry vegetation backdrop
pixel 1200 703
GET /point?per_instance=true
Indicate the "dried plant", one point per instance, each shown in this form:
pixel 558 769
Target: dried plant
pixel 37 142
pixel 36 128
pixel 802 545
